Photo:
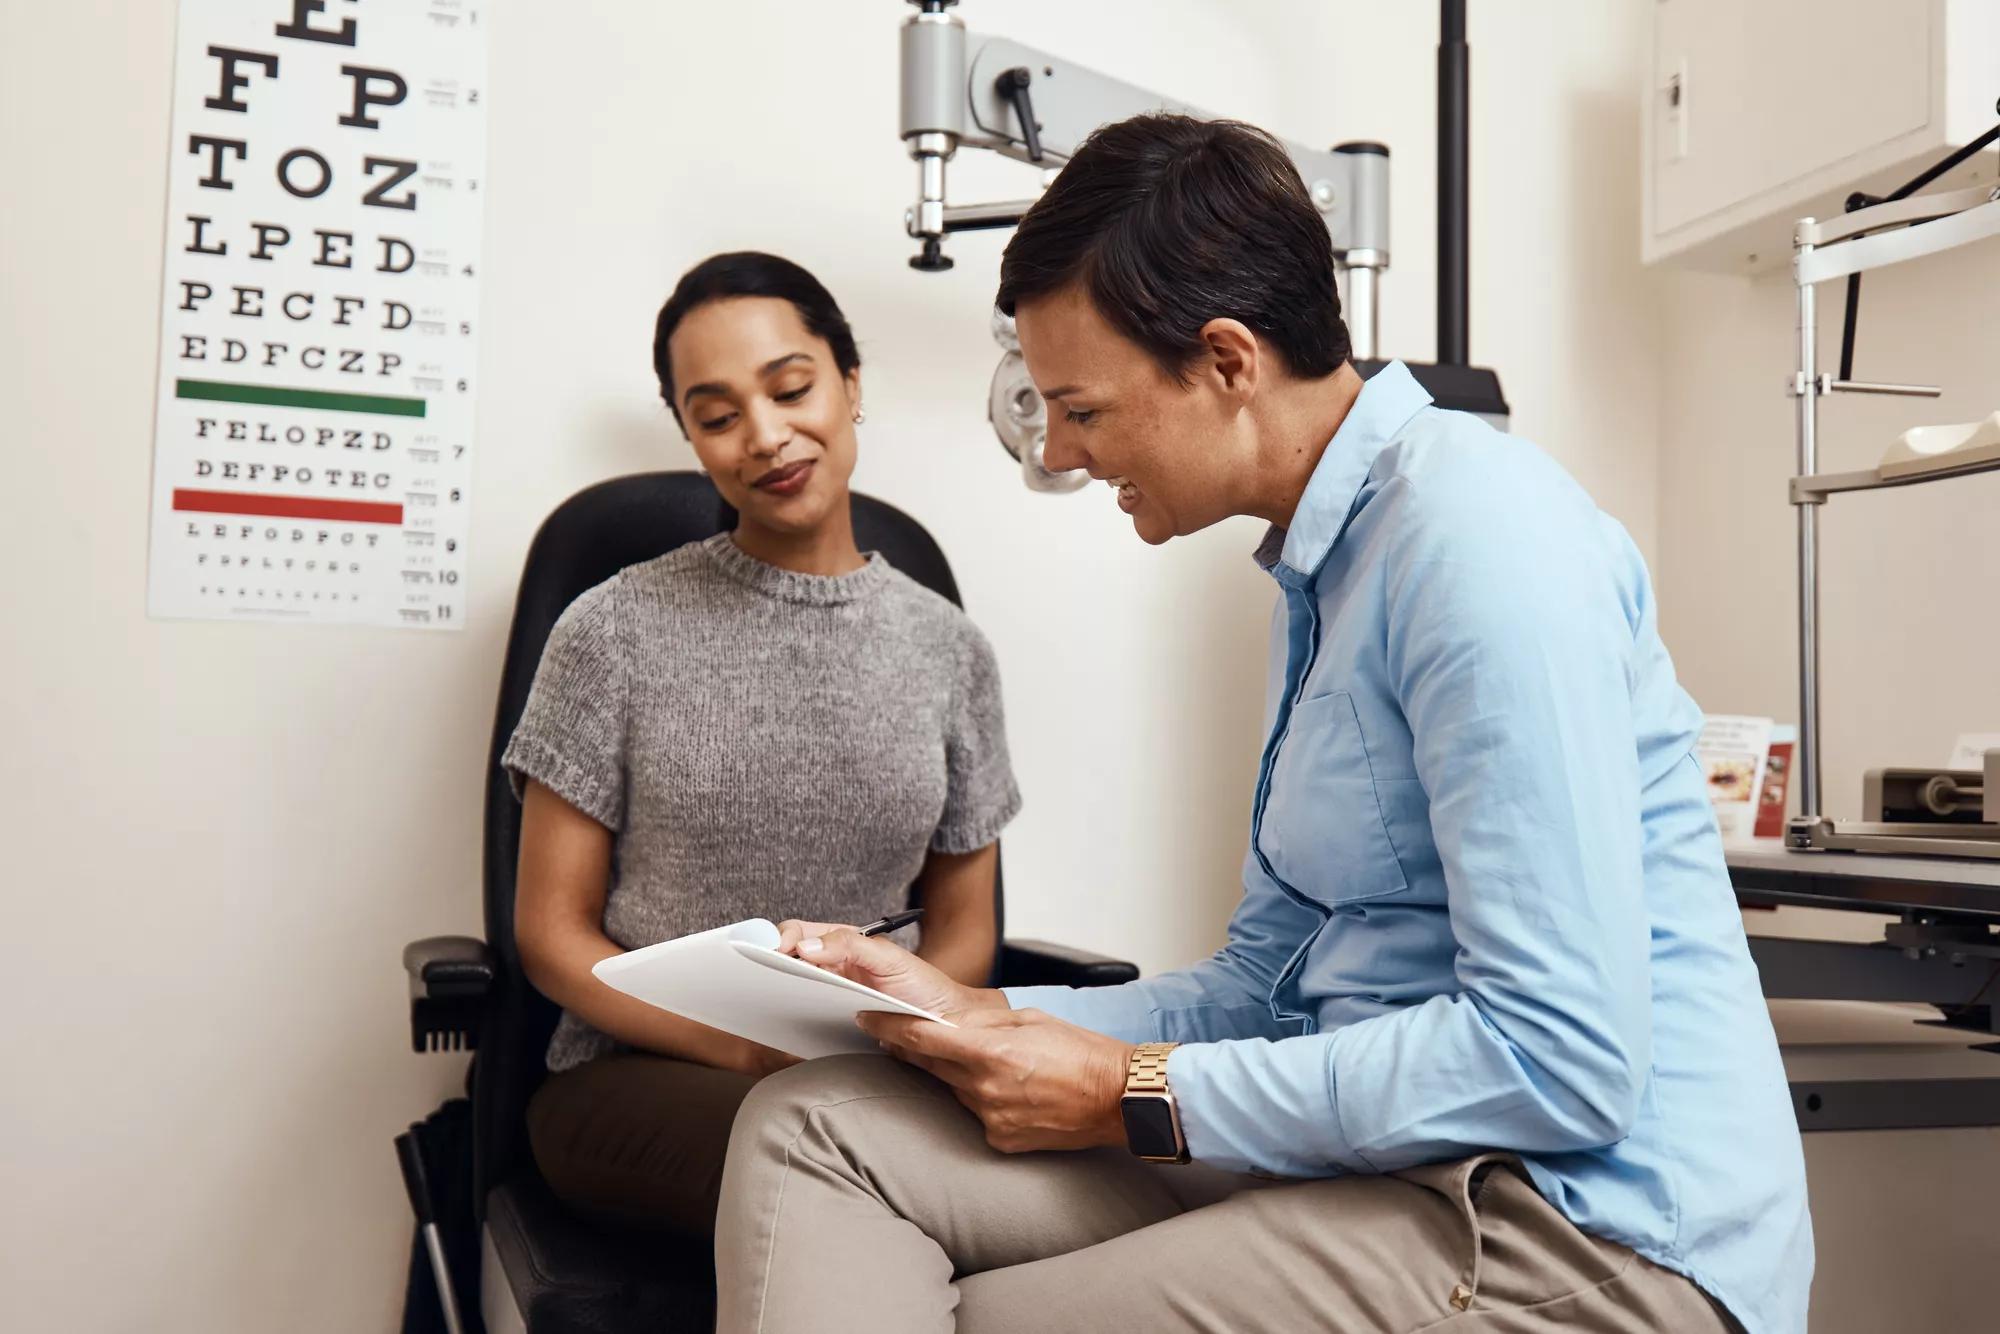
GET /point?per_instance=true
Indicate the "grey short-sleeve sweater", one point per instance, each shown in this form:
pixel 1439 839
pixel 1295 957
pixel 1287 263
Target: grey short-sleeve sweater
pixel 763 743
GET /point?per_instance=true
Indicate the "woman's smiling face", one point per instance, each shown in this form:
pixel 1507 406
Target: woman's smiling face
pixel 768 412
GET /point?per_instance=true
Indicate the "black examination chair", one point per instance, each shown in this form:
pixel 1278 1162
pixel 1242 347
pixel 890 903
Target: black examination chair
pixel 520 1261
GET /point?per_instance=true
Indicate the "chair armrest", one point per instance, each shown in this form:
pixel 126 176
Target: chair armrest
pixel 450 979
pixel 1036 963
pixel 444 966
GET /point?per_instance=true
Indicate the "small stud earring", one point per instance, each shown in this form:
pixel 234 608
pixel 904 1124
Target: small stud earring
pixel 860 416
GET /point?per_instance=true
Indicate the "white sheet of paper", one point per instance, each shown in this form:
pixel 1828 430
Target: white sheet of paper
pixel 733 979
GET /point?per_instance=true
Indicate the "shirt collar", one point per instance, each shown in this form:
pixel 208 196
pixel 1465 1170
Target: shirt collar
pixel 1382 409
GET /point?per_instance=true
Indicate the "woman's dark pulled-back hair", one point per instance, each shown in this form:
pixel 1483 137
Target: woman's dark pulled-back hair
pixel 1169 222
pixel 751 273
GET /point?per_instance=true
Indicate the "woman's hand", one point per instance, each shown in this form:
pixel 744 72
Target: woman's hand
pixel 885 966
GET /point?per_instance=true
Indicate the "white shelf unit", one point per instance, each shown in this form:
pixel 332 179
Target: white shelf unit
pixel 1838 247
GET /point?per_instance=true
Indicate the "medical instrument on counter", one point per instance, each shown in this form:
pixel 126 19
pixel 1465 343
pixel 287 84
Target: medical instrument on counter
pixel 964 89
pixel 1919 812
pixel 1934 812
pixel 1932 796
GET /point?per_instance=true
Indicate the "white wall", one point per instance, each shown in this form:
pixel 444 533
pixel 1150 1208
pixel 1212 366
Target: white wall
pixel 219 836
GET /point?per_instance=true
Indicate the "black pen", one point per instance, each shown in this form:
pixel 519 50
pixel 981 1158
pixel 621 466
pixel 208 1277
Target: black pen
pixel 892 922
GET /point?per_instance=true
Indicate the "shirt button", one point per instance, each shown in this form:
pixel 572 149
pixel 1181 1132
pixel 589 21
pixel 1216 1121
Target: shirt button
pixel 1461 1298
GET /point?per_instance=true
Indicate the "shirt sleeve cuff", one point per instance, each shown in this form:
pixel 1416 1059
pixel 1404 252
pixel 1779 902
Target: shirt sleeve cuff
pixel 530 757
pixel 1118 1012
pixel 1253 1105
pixel 973 830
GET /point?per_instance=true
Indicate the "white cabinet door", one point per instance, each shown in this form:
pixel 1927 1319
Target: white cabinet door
pixel 1773 91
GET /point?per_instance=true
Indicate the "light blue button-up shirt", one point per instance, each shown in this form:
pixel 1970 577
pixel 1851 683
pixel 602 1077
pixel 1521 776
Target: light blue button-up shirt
pixel 1485 903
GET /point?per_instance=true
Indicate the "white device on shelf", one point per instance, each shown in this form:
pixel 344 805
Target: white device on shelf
pixel 1943 449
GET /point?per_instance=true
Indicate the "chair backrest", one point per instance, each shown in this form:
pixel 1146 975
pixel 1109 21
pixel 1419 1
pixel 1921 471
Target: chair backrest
pixel 590 537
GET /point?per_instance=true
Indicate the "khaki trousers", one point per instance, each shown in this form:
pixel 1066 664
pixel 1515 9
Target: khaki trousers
pixel 859 1196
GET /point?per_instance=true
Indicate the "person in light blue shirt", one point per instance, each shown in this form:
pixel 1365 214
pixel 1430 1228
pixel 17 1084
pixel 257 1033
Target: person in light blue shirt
pixel 1485 1042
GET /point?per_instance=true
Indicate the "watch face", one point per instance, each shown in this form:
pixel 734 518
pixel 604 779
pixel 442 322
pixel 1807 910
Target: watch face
pixel 1149 1126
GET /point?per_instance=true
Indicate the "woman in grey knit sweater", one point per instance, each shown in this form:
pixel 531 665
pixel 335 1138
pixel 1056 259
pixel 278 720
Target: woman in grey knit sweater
pixel 768 723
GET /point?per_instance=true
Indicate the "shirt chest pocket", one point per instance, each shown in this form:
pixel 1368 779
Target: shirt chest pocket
pixel 1323 831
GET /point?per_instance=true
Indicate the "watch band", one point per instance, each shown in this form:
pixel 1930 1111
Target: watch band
pixel 1146 1072
pixel 1146 1088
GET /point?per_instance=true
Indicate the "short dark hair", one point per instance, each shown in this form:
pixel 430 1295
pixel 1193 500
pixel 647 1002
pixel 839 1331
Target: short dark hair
pixel 751 273
pixel 1169 222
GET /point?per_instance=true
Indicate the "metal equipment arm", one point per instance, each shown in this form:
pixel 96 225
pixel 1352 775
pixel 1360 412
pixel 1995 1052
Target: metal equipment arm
pixel 967 89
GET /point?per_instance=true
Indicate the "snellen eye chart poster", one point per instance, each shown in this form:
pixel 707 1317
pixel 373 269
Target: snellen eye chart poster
pixel 312 443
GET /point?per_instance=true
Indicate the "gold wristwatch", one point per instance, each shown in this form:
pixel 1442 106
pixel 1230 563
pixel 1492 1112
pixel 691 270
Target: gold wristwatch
pixel 1152 1118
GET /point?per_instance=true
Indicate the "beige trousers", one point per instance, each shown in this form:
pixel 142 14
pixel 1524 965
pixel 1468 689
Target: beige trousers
pixel 859 1196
